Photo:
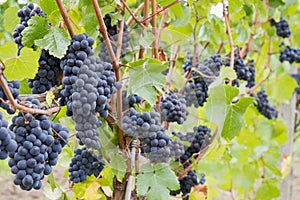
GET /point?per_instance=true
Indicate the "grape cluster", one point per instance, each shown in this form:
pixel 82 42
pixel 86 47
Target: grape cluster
pixel 7 139
pixel 173 108
pixel 14 88
pixel 130 100
pixel 244 71
pixel 106 86
pixel 290 54
pixel 47 75
pixel 263 105
pixel 211 67
pixel 141 125
pixel 147 128
pixel 156 147
pixel 186 183
pixel 282 27
pixel 84 163
pixel 113 35
pixel 201 138
pixel 34 136
pixel 176 148
pixel 25 14
pixel 84 105
pixel 195 91
pixel 60 135
pixel 188 63
pixel 79 49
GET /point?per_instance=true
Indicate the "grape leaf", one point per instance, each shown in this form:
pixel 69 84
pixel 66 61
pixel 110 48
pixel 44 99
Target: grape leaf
pixel 148 78
pixel 37 28
pixel 48 6
pixel 10 19
pixel 268 190
pixel 281 88
pixel 56 41
pixel 155 180
pixel 26 64
pixel 88 189
pixel 226 114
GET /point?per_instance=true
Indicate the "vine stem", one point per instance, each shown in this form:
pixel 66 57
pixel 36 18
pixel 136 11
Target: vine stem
pixel 161 10
pixel 227 21
pixel 130 179
pixel 173 56
pixel 65 16
pixel 103 31
pixel 133 13
pixel 154 44
pixel 145 22
pixel 15 105
pixel 133 17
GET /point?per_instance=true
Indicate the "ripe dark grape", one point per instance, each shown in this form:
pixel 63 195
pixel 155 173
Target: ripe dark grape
pixel 71 63
pixel 290 54
pixel 173 108
pixel 297 78
pixel 25 14
pixel 147 128
pixel 33 136
pixel 14 88
pixel 84 163
pixel 282 27
pixel 244 71
pixel 47 75
pixel 7 142
pixel 84 105
pixel 186 183
pixel 195 91
pixel 106 86
pixel 211 68
pixel 141 125
pixel 263 105
pixel 176 148
pixel 113 36
pixel 156 147
pixel 188 63
pixel 130 100
pixel 201 138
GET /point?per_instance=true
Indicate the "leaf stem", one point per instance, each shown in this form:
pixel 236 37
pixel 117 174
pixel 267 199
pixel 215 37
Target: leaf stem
pixel 154 44
pixel 145 22
pixel 65 16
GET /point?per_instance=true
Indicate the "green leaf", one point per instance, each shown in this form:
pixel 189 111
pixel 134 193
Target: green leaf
pixel 268 190
pixel 24 88
pixel 56 41
pixel 155 181
pixel 225 113
pixel 10 18
pixel 149 78
pixel 276 3
pixel 48 6
pixel 19 67
pixel 282 87
pixel 37 28
pixel 228 73
pixel 234 118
